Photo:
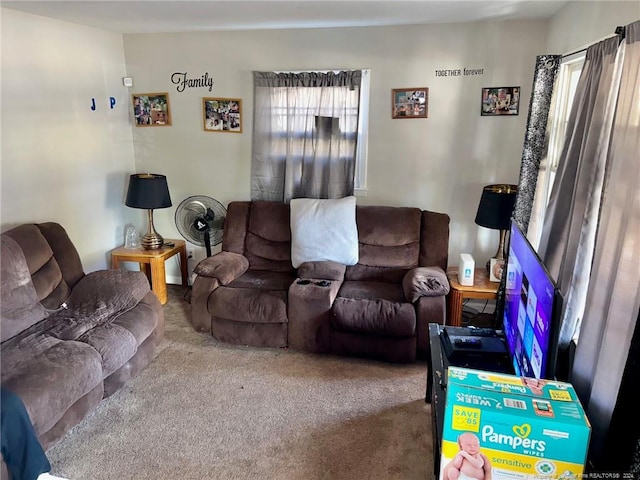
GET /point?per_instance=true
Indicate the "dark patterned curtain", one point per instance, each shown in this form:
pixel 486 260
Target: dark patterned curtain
pixel 534 149
pixel 535 139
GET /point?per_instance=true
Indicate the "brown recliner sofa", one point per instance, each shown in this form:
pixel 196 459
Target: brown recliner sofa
pixel 250 294
pixel 69 339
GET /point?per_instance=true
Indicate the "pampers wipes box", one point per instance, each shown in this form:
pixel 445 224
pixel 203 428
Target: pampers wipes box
pixel 517 428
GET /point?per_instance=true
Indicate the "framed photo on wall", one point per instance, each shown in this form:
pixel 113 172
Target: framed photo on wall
pixel 500 101
pixel 222 114
pixel 409 102
pixel 151 109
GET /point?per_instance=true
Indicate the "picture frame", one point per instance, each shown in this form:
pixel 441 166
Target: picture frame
pixel 151 109
pixel 222 114
pixel 410 102
pixel 499 101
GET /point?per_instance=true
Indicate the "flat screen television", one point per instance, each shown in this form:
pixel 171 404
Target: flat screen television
pixel 532 310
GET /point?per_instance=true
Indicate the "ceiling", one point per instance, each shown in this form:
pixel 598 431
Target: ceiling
pixel 163 16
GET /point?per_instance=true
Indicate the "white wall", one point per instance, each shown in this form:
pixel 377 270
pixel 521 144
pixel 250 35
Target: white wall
pixel 61 161
pixel 440 163
pixel 580 24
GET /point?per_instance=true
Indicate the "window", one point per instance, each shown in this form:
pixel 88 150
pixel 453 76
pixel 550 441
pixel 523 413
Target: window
pixel 356 124
pixel 565 89
pixel 360 183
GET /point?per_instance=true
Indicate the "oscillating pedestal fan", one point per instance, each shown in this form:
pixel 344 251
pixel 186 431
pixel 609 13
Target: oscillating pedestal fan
pixel 200 220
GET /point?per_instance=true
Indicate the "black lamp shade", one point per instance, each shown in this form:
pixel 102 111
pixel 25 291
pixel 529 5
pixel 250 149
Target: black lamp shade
pixel 148 190
pixel 496 206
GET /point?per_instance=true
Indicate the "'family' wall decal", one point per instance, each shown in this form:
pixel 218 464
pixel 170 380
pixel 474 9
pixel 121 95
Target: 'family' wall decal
pixel 183 81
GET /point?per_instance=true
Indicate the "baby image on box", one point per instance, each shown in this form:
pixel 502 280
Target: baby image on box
pixel 469 463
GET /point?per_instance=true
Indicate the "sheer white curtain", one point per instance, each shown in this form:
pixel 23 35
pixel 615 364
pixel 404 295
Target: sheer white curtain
pixel 613 296
pixel 304 134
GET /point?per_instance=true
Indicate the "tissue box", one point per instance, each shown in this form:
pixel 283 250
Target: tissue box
pixel 524 428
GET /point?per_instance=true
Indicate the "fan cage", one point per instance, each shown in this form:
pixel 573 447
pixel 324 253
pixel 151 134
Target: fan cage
pixel 194 207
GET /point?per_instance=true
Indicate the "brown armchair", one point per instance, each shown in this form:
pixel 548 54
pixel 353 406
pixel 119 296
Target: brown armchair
pixel 240 294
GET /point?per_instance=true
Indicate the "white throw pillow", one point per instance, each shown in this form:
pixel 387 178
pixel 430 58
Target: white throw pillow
pixel 324 229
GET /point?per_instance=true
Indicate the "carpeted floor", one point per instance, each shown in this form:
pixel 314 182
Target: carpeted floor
pixel 205 410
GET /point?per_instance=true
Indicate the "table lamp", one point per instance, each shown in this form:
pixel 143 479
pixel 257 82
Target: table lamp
pixel 150 191
pixel 494 211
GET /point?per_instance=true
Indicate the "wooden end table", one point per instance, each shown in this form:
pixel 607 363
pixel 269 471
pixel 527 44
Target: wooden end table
pixel 482 289
pixel 152 263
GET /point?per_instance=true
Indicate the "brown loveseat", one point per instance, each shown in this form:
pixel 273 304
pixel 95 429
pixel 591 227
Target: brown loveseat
pixel 69 339
pixel 250 293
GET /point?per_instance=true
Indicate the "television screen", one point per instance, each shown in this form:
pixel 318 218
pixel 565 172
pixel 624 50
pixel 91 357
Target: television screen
pixel 531 312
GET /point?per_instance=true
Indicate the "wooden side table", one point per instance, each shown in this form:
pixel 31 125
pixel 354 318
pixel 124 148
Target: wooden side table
pixel 482 289
pixel 152 263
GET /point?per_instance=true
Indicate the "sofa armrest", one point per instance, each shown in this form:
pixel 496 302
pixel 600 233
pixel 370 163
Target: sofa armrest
pixel 425 282
pixel 326 270
pixel 202 289
pixel 223 266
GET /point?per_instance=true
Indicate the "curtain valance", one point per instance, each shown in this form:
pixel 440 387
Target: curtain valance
pixel 347 78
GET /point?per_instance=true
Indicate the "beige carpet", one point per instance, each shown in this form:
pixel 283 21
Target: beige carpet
pixel 205 410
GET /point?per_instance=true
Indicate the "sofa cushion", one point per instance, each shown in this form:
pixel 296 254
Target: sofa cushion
pixel 324 229
pixel 19 307
pixel 141 321
pixel 374 317
pixel 235 227
pixel 361 272
pixel 249 305
pixel 50 375
pixel 96 300
pixel 64 250
pixel 389 242
pixel 115 344
pixel 119 290
pixel 268 237
pixel 263 280
pixel 264 254
pixel 372 290
pixel 270 220
pixel 45 272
